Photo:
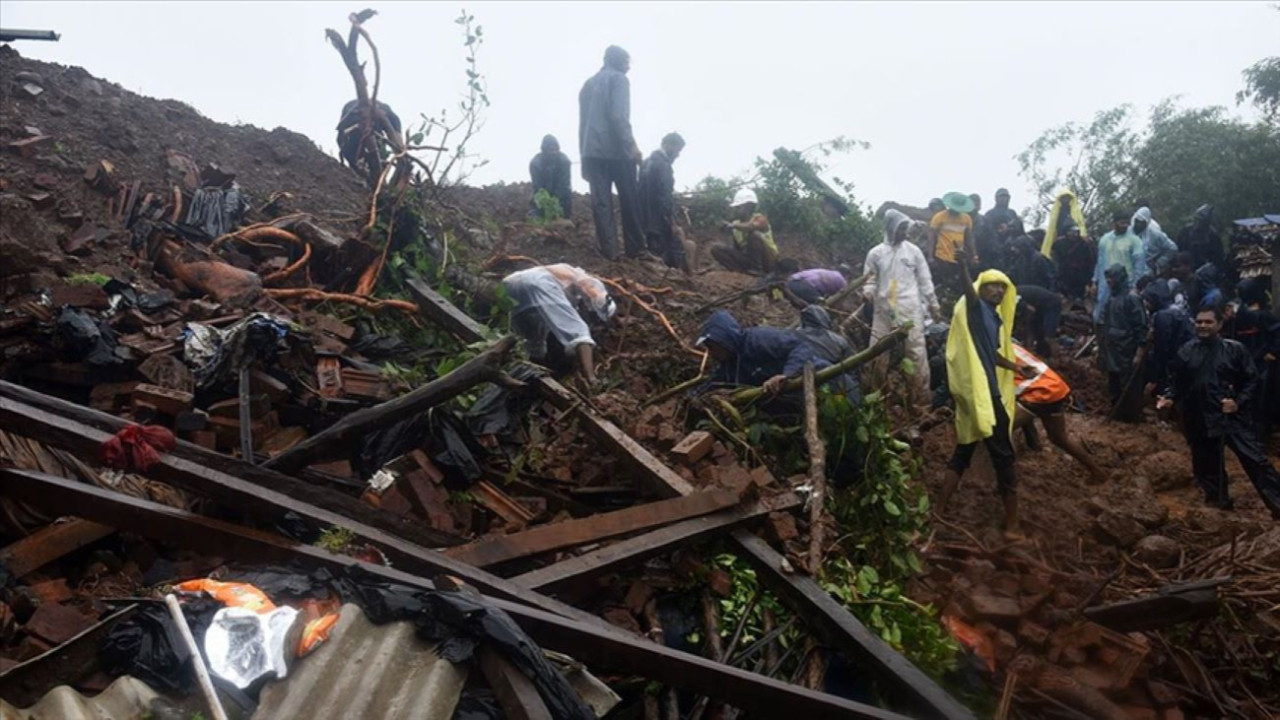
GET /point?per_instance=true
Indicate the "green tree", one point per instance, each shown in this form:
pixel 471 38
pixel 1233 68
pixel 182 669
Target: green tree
pixel 1262 87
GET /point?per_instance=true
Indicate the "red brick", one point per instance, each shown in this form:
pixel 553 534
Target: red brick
pixel 986 606
pixel 720 582
pixel 56 623
pixel 79 295
pixel 51 591
pixel 781 527
pixel 695 446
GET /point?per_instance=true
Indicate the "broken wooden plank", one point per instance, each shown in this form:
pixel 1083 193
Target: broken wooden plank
pixel 1170 605
pixel 50 543
pixel 544 538
pixel 322 446
pixel 585 637
pixel 501 504
pixel 619 555
pixel 900 677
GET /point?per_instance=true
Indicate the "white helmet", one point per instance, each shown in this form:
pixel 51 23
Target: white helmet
pixel 744 196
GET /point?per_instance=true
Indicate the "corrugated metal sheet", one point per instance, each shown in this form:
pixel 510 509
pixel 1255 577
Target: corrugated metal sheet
pixel 126 699
pixel 367 671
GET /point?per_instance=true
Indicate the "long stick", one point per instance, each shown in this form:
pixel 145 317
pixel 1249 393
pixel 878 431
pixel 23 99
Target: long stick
pixel 817 470
pixel 197 660
pixel 246 417
pixel 883 345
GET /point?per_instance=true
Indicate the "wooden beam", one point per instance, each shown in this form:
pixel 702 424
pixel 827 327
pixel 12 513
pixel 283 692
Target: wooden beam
pixel 483 367
pixel 593 642
pixel 1170 605
pixel 614 557
pixel 50 543
pixel 265 503
pixel 544 538
pixel 250 478
pixel 906 683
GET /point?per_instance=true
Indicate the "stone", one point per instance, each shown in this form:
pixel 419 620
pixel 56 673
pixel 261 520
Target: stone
pixel 27 76
pixel 622 618
pixel 986 606
pixel 781 527
pixel 1119 530
pixel 1158 551
pixel 720 582
pixel 56 623
pixel 1032 633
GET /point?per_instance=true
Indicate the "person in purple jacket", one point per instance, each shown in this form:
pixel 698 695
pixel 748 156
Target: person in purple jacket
pixel 814 284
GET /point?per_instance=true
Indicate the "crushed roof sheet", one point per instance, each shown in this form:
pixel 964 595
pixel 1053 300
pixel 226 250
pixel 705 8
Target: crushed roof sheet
pixel 127 698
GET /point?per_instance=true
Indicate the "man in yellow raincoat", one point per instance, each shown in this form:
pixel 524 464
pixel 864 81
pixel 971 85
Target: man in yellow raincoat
pixel 980 368
pixel 1066 211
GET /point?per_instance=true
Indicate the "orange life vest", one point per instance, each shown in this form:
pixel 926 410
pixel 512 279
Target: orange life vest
pixel 1046 387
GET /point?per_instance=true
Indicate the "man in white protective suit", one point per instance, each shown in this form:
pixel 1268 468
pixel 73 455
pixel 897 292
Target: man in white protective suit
pixel 901 289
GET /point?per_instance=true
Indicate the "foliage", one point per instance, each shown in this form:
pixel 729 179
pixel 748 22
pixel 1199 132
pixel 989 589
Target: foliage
pixel 708 204
pixel 96 278
pixel 1093 159
pixel 746 586
pixel 451 163
pixel 1262 87
pixel 882 517
pixel 335 539
pixel 547 207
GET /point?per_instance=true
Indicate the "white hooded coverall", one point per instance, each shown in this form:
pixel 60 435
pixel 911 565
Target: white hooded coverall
pixel 901 288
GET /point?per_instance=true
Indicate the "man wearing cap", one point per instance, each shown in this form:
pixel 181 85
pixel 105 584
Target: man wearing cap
pixel 950 230
pixel 1118 247
pixel 609 153
pixel 550 170
pixel 1003 225
pixel 658 204
pixel 753 248
pixel 558 300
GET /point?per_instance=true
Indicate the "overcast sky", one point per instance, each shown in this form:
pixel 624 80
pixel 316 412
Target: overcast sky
pixel 946 93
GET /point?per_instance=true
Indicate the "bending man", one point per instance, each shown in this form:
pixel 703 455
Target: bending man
pixel 553 300
pixel 1045 395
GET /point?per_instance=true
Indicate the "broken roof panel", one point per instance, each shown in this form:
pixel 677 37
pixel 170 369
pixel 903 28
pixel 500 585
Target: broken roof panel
pixel 126 699
pixel 366 671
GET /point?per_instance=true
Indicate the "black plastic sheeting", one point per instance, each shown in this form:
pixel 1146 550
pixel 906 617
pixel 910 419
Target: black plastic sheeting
pixel 82 339
pixel 216 211
pixel 440 433
pixel 148 646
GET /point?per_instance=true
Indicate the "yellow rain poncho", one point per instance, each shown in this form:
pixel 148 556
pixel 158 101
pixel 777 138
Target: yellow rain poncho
pixel 975 413
pixel 1051 232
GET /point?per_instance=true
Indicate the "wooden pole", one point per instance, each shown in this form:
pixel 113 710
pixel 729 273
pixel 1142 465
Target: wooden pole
pixel 883 345
pixel 246 417
pixel 197 660
pixel 817 470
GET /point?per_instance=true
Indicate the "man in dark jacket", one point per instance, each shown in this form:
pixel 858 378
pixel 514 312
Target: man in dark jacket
pixel 830 347
pixel 349 130
pixel 1171 328
pixel 1076 256
pixel 550 170
pixel 658 203
pixel 1003 225
pixel 1214 380
pixel 609 153
pixel 1199 238
pixel 759 356
pixel 1124 329
pixel 1258 329
pixel 1027 266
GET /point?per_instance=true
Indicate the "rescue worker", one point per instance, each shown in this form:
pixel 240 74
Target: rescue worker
pixel 1075 256
pixel 1200 239
pixel 814 284
pixel 900 289
pixel 558 300
pixel 1003 226
pixel 758 356
pixel 1171 328
pixel 1123 330
pixel 830 347
pixel 551 170
pixel 950 230
pixel 753 248
pixel 1118 247
pixel 658 204
pixel 1157 249
pixel 1258 329
pixel 1027 266
pixel 1214 381
pixel 1065 212
pixel 980 367
pixel 1045 395
pixel 609 153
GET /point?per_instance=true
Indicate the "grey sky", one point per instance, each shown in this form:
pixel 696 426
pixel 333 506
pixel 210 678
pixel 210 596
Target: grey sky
pixel 946 93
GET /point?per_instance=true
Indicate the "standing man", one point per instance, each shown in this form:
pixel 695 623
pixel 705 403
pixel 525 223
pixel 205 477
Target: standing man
pixel 951 229
pixel 1065 211
pixel 983 234
pixel 1214 380
pixel 900 289
pixel 658 204
pixel 1199 238
pixel 980 368
pixel 1003 225
pixel 550 170
pixel 609 153
pixel 1171 328
pixel 1118 247
pixel 1075 255
pixel 753 248
pixel 1157 249
pixel 1124 330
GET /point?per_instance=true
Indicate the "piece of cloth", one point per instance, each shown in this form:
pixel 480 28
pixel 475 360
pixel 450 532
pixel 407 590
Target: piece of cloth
pixel 216 211
pixel 1045 389
pixel 1157 249
pixel 1200 239
pixel 830 348
pixel 1171 328
pixel 826 282
pixel 1059 220
pixel 1201 375
pixel 546 302
pixel 999 446
pixel 1209 467
pixel 967 377
pixel 137 448
pixel 658 209
pixel 951 228
pixel 1124 326
pixel 81 339
pixel 1125 250
pixel 602 176
pixel 553 172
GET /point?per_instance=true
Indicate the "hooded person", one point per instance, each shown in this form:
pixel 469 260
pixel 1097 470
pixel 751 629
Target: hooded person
pixel 558 300
pixel 551 170
pixel 1258 329
pixel 1118 247
pixel 1206 293
pixel 609 153
pixel 1027 266
pixel 900 289
pixel 980 370
pixel 1065 211
pixel 1075 256
pixel 830 347
pixel 1124 330
pixel 1157 249
pixel 758 356
pixel 1200 239
pixel 1171 328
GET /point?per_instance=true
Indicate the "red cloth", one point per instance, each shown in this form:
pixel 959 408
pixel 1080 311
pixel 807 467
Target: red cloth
pixel 137 447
